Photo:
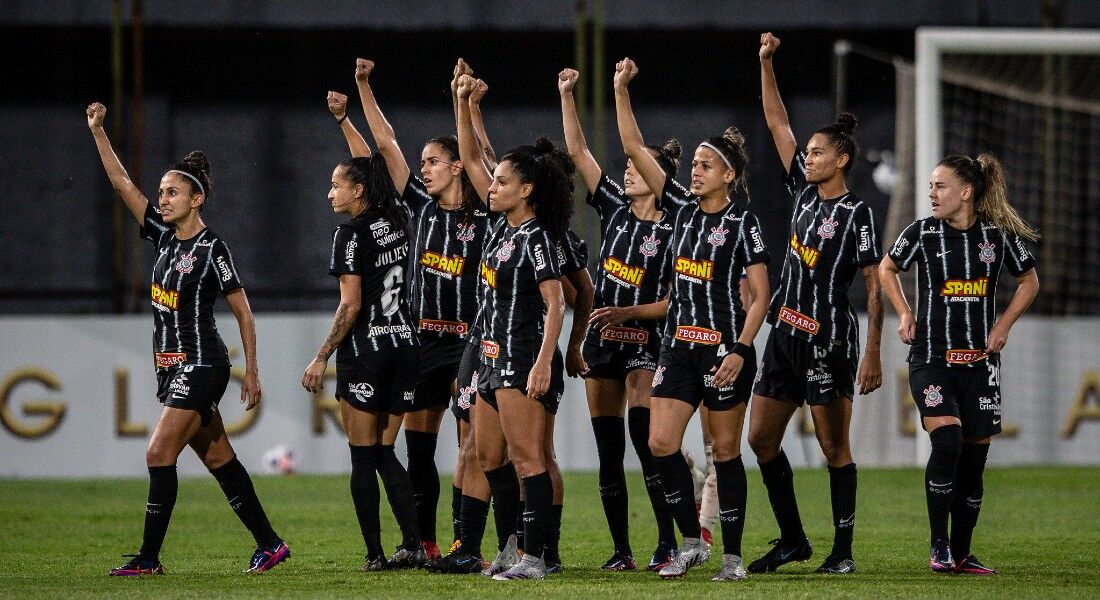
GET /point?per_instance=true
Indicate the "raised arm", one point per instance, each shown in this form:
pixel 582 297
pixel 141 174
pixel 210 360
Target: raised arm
pixel 631 135
pixel 468 150
pixel 488 155
pixel 380 128
pixel 120 179
pixel 870 370
pixel 574 136
pixel 891 286
pixel 250 385
pixel 774 111
pixel 338 106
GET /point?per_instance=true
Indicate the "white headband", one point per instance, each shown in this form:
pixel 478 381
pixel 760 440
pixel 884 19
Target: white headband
pixel 719 153
pixel 198 183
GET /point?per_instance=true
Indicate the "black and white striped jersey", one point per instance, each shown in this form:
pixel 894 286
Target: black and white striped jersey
pixel 830 240
pixel 188 275
pixel 956 302
pixel 634 266
pixel 376 250
pixel 572 253
pixel 709 252
pixel 446 253
pixel 515 262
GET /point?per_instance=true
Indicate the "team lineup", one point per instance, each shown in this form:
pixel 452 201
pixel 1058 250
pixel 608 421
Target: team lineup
pixel 454 278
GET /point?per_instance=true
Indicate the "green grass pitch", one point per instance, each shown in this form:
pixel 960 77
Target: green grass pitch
pixel 1039 526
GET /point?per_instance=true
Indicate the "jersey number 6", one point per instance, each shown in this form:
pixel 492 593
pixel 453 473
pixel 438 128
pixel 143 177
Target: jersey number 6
pixel 391 290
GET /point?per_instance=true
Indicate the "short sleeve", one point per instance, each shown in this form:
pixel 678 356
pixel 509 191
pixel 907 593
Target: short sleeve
pixel 867 245
pixel 346 255
pixel 751 250
pixel 1017 257
pixel 416 194
pixel 674 195
pixel 906 249
pixel 607 197
pixel 228 278
pixel 572 253
pixel 795 180
pixel 541 251
pixel 152 225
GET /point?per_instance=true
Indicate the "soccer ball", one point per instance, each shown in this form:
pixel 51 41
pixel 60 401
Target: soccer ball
pixel 279 460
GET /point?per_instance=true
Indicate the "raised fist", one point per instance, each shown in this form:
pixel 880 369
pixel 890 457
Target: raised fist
pixel 363 67
pixel 337 104
pixel 768 45
pixel 567 79
pixel 96 113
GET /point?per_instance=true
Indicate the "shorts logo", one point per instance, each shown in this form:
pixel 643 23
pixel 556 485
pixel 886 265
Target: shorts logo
pixel 504 252
pixel 708 381
pixel 806 254
pixel 643 361
pixel 658 376
pixel 447 265
pixel 489 274
pixel 466 394
pixel 185 263
pixel 437 326
pixel 224 269
pixel 490 348
pixel 699 270
pixel 164 360
pixel 798 320
pixel 932 396
pixel 161 297
pixel 649 245
pixel 986 253
pixel 827 229
pixel 992 404
pixel 625 335
pixel 179 386
pixel 698 335
pixel 465 232
pixel 408 396
pixel 717 236
pixel 361 391
pixel 965 356
pixel 623 272
pixel 965 290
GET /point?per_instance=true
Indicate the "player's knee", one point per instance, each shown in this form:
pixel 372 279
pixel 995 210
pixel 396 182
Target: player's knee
pixel 764 446
pixel 724 450
pixel 837 452
pixel 659 446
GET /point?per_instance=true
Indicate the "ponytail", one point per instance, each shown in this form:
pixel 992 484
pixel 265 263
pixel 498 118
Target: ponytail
pixel 380 193
pixel 986 177
pixel 550 171
pixel 732 147
pixel 841 135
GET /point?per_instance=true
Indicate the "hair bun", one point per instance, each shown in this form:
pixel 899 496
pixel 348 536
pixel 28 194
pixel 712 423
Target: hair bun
pixel 734 136
pixel 197 160
pixel 847 123
pixel 672 149
pixel 544 146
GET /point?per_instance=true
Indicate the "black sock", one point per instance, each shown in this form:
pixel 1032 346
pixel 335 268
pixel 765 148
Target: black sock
pixel 539 491
pixel 399 493
pixel 733 491
pixel 679 492
pixel 456 512
pixel 474 514
pixel 520 508
pixel 163 485
pixel 968 498
pixel 365 496
pixel 842 489
pixel 553 535
pixel 238 489
pixel 939 477
pixel 424 478
pixel 504 488
pixel 639 436
pixel 779 479
pixel 611 447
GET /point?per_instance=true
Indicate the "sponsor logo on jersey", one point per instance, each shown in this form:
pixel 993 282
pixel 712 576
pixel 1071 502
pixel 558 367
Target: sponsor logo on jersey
pixel 623 272
pixel 465 232
pixel 489 274
pixel 223 269
pixel 540 258
pixel 164 360
pixel 349 253
pixel 490 348
pixel 932 396
pixel 965 356
pixel 698 335
pixel 561 254
pixel 438 326
pixel 695 269
pixel 504 252
pixel 806 254
pixel 798 320
pixel 450 265
pixel 626 335
pixel 965 290
pixel 899 246
pixel 649 245
pixel 717 236
pixel 757 239
pixel 161 297
pixel 986 253
pixel 827 229
pixel 864 238
pixel 1022 248
pixel 185 263
pixel 402 331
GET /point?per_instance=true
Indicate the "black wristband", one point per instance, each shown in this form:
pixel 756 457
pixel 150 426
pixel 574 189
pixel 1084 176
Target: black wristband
pixel 341 119
pixel 741 350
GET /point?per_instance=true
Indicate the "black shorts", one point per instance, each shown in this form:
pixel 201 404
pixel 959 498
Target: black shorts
pixel 466 386
pixel 605 363
pixel 972 394
pixel 193 387
pixel 685 374
pixel 492 378
pixel 795 370
pixel 439 359
pixel 384 380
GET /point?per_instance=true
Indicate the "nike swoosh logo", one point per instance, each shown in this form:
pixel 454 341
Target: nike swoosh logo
pixel 939 485
pixel 996 421
pixel 939 254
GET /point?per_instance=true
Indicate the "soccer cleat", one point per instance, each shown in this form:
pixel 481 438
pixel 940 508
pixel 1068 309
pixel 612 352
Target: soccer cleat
pixel 431 550
pixel 455 545
pixel 781 554
pixel 619 562
pixel 529 567
pixel 939 557
pixel 264 559
pixel 707 536
pixel 733 569
pixel 662 556
pixel 408 559
pixel 458 563
pixel 375 564
pixel 553 567
pixel 972 566
pixel 505 559
pixel 691 553
pixel 837 565
pixel 137 566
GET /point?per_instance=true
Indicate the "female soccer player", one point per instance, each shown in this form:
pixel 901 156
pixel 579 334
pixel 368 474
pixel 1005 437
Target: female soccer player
pixel 376 347
pixel 623 342
pixel 193 264
pixel 519 271
pixel 707 355
pixel 813 348
pixel 956 338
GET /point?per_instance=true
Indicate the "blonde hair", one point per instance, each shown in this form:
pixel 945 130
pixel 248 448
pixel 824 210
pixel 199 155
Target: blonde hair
pixel 986 177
